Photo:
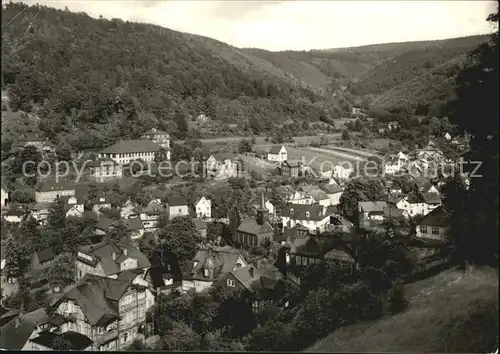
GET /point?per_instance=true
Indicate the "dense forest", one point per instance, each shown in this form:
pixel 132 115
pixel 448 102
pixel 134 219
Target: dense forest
pixel 91 81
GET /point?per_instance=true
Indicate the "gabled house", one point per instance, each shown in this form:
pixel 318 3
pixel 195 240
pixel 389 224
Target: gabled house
pixel 421 203
pixel 43 259
pixel 17 333
pixel 105 169
pixel 150 215
pixel 48 190
pixel 434 225
pixel 73 206
pixel 340 172
pixel 136 228
pixel 299 197
pixel 210 264
pixel 130 210
pixel 277 153
pixel 100 203
pixel 253 232
pixel 203 208
pixel 110 312
pixel 318 195
pixel 177 206
pixel 425 185
pixel 447 136
pixel 258 287
pixel 372 211
pixel 313 216
pixel 334 192
pixel 109 260
pixel 159 137
pixel 291 168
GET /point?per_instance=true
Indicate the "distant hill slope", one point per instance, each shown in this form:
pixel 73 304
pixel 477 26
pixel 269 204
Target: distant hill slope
pixel 405 62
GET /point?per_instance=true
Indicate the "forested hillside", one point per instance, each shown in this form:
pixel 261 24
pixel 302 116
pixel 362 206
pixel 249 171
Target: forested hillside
pixel 406 63
pixel 92 81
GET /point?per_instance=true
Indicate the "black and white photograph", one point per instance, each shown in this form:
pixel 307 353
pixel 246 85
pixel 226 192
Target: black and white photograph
pixel 249 176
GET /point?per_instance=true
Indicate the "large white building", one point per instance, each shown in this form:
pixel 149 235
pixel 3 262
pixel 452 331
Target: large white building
pixel 158 136
pixel 125 151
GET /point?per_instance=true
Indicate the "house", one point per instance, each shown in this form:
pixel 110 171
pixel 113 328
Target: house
pixel 424 185
pixel 151 214
pixel 291 168
pixel 100 203
pixel 177 206
pixel 313 216
pixel 203 208
pixel 48 190
pixel 158 137
pixel 201 227
pixel 341 172
pixel 103 225
pixel 31 139
pixel 48 340
pixel 130 210
pixel 15 214
pixel 40 211
pixel 422 203
pixel 105 169
pixel 136 228
pixel 73 206
pixel 299 197
pixel 227 169
pixel 43 259
pixel 126 151
pixel 395 163
pixel 269 206
pixel 372 211
pixel 253 232
pixel 434 225
pixel 317 194
pixel 447 136
pixel 259 287
pixel 393 125
pixel 209 264
pixel 108 260
pixel 17 333
pixel 277 154
pixel 211 164
pixel 110 312
pixel 4 198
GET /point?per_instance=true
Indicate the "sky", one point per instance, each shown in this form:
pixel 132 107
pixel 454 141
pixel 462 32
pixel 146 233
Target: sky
pixel 299 25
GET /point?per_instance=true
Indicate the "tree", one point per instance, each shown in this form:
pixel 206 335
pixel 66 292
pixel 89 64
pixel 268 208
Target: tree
pixel 360 189
pixel 179 237
pixel 273 336
pixel 245 146
pixel 477 91
pixel 118 233
pixel 63 151
pixel 204 309
pixel 13 259
pixel 62 272
pixel 365 133
pixel 56 219
pixel 182 125
pixel 345 135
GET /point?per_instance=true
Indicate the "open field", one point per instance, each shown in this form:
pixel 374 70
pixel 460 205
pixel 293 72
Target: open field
pixel 341 155
pixel 451 312
pixel 356 152
pixel 260 166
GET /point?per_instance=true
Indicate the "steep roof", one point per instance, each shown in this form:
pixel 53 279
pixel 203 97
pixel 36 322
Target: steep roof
pixel 309 246
pixel 176 201
pixel 131 146
pixel 45 255
pixel 331 188
pixel 134 224
pixel 316 212
pixel 251 227
pixel 437 217
pixel 373 207
pixel 422 183
pixel 15 334
pixel 431 198
pixel 78 341
pixel 221 259
pixel 276 149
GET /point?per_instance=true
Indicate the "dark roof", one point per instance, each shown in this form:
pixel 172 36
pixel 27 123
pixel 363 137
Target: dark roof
pixel 78 341
pixel 292 233
pixel 133 224
pixel 275 149
pixel 372 207
pixel 221 259
pixel 176 201
pixel 154 207
pixel 437 217
pixel 251 227
pixel 431 198
pixel 15 334
pixel 155 132
pixel 309 246
pixel 104 223
pixel 422 183
pixel 50 184
pixel 131 146
pixel 316 212
pixel 45 255
pixel 331 188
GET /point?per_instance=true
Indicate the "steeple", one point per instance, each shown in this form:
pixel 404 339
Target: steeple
pixel 262 212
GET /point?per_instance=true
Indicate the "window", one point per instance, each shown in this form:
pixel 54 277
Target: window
pixel 423 229
pixel 231 283
pixel 435 230
pixel 308 214
pixel 205 272
pixel 291 211
pixel 298 260
pixel 180 210
pixel 304 260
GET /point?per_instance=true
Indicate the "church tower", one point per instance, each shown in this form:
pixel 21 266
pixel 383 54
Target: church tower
pixel 262 212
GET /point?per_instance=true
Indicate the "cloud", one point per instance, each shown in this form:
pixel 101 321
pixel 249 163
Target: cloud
pixel 300 25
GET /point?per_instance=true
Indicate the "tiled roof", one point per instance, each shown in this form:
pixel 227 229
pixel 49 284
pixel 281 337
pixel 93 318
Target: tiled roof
pixel 104 223
pixel 77 340
pixel 316 212
pixel 431 198
pixel 422 183
pixel 371 207
pixel 46 255
pixel 133 224
pixel 131 146
pixel 176 201
pixel 251 227
pixel 309 246
pixel 331 188
pixel 275 149
pixel 153 208
pixel 14 336
pixel 292 233
pixel 221 260
pixel 437 217
pixel 50 184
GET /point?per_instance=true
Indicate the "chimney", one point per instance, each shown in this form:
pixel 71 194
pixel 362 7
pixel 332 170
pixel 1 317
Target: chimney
pixel 250 271
pixel 114 256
